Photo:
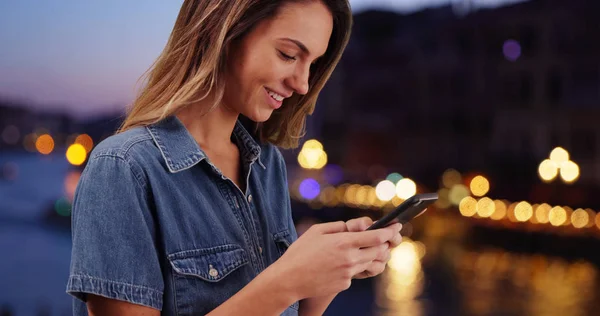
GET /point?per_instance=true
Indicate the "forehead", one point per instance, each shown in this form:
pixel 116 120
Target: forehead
pixel 310 23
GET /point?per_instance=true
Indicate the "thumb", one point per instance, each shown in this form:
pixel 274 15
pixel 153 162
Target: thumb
pixel 331 228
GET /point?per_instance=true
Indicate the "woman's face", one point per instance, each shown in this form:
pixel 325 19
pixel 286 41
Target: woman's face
pixel 273 61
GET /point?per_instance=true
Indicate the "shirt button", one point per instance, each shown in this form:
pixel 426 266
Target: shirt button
pixel 213 272
pixel 250 198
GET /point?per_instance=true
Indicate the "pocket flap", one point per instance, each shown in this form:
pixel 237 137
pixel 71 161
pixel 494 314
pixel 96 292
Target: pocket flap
pixel 210 264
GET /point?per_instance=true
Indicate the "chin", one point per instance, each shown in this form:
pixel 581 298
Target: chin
pixel 260 116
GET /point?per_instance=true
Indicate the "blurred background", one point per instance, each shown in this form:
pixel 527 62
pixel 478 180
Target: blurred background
pixel 491 103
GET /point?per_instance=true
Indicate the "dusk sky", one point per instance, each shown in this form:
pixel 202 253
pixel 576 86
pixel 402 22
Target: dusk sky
pixel 85 56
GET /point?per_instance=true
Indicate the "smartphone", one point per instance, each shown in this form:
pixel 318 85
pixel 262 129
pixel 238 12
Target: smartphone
pixel 409 209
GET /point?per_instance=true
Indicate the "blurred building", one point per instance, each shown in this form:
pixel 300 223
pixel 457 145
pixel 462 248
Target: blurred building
pixel 490 91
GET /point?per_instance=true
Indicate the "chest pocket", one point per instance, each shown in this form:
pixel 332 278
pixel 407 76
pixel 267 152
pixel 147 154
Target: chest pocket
pixel 283 240
pixel 204 278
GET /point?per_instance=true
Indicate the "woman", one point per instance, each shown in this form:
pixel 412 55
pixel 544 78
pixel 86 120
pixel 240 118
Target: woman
pixel 186 211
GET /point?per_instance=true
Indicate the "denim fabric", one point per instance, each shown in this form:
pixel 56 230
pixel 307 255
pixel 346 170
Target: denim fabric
pixel 156 223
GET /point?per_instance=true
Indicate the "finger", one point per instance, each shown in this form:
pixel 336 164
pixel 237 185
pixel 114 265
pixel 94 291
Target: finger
pixel 370 254
pixel 394 242
pixel 372 238
pixel 331 228
pixel 359 224
pixel 385 256
pixel 376 268
pixel 370 270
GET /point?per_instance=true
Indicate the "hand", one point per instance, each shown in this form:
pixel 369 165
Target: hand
pixel 326 257
pixel 377 266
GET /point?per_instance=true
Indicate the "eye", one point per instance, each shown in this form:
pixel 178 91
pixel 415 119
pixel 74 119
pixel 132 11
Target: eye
pixel 286 57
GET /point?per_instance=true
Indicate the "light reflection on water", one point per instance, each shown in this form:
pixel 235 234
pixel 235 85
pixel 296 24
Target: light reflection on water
pixel 488 281
pixel 403 280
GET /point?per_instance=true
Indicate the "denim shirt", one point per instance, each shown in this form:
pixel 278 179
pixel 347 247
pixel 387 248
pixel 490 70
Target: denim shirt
pixel 155 223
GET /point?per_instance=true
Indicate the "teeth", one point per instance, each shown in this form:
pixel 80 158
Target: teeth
pixel 276 96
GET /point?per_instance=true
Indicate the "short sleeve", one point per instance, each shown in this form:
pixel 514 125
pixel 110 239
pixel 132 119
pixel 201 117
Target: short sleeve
pixel 114 250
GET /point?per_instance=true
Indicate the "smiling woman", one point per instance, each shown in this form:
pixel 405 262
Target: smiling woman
pixel 265 45
pixel 186 210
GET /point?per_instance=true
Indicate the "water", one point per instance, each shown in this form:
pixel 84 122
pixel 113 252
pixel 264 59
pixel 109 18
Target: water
pixel 36 255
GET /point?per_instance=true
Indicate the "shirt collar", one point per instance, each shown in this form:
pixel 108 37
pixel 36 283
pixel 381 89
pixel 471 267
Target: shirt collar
pixel 180 150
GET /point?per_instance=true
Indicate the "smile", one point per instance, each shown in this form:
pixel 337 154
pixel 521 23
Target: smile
pixel 275 96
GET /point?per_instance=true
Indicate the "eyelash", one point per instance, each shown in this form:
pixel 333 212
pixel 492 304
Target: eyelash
pixel 287 57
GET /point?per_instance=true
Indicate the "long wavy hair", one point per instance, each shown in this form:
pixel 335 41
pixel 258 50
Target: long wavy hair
pixel 191 67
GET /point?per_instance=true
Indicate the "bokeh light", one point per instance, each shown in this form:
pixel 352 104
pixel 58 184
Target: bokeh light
pixel 559 155
pixel 394 177
pixel 451 178
pixel 350 195
pixel 542 213
pixel 328 196
pixel 479 186
pixel 361 196
pixel 557 216
pixel 568 213
pixel 580 218
pixel 406 188
pixel 510 212
pixel 312 155
pixel 591 216
pixel 468 206
pixel 569 171
pixel 372 200
pixel 533 218
pixel 499 210
pixel 44 144
pixel 548 170
pixel 396 201
pixel 63 207
pixel 405 258
pixel 523 211
pixel 71 181
pixel 76 154
pixel 443 199
pixel 29 142
pixel 511 49
pixel 385 190
pixel 309 188
pixel 485 207
pixel 457 193
pixel 86 141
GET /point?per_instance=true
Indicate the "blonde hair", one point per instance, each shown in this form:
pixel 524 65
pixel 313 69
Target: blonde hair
pixel 191 67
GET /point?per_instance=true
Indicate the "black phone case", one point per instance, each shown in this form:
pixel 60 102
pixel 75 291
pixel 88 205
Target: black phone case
pixel 408 210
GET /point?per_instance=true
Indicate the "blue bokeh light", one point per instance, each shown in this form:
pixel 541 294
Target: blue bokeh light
pixel 309 188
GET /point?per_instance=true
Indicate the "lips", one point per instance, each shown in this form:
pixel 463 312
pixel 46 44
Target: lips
pixel 272 98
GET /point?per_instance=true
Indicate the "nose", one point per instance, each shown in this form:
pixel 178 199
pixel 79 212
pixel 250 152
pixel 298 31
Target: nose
pixel 298 81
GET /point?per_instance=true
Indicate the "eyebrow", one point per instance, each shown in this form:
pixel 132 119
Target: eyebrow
pixel 300 45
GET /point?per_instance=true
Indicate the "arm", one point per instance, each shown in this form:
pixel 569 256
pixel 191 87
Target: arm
pixel 99 306
pixel 265 295
pixel 315 305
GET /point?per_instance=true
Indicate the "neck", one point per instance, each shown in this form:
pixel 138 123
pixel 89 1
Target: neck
pixel 212 130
